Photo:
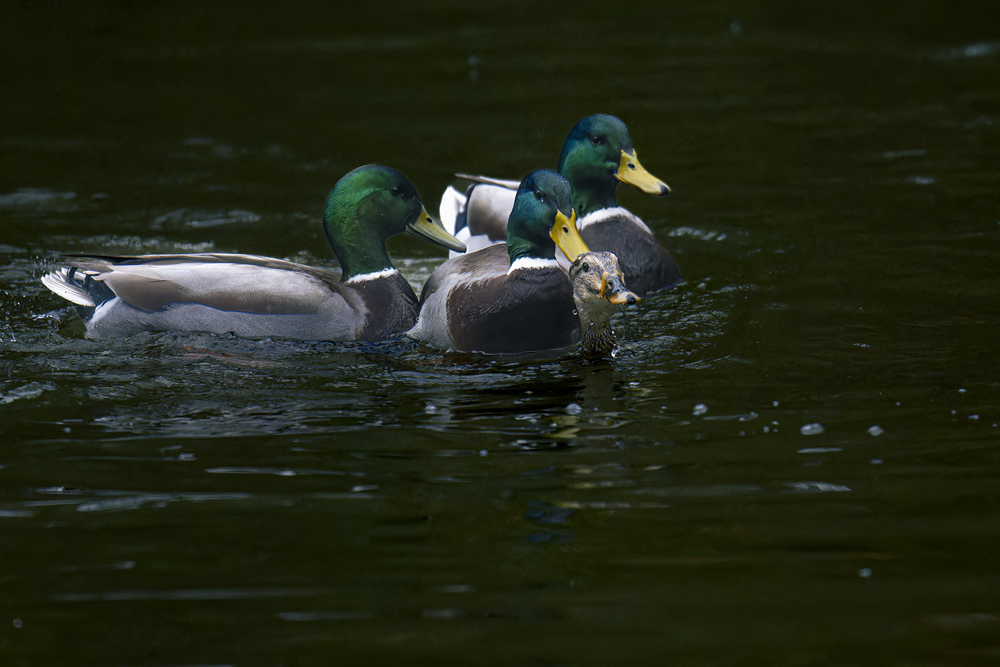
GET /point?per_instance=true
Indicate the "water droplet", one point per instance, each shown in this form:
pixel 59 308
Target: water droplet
pixel 875 430
pixel 573 409
pixel 865 573
pixel 18 623
pixel 700 409
pixel 812 429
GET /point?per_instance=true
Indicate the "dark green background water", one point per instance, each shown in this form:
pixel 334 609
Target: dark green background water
pixel 199 500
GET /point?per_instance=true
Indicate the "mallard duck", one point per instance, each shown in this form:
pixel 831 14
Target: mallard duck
pixel 262 297
pixel 513 297
pixel 598 292
pixel 597 155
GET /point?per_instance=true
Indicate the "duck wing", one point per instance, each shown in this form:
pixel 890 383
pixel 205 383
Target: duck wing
pixel 228 282
pixel 520 312
pixel 470 267
pixel 472 303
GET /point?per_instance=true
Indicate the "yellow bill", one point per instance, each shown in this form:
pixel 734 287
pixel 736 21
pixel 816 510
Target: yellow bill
pixel 634 174
pixel 432 230
pixel 567 236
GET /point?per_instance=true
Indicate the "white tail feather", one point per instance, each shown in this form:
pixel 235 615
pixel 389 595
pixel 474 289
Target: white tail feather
pixel 452 204
pixel 58 282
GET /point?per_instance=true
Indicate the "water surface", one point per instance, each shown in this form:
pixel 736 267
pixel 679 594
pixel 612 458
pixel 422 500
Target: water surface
pixel 791 460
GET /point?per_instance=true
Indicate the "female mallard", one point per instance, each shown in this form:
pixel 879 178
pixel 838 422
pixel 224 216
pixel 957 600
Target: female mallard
pixel 596 156
pixel 513 297
pixel 261 297
pixel 598 292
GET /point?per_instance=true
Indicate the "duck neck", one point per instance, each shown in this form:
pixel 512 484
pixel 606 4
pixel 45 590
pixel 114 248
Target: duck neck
pixel 523 242
pixel 521 249
pixel 597 338
pixel 594 194
pixel 358 255
pixel 594 185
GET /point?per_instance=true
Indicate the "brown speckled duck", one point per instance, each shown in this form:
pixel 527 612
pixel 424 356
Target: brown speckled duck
pixel 599 292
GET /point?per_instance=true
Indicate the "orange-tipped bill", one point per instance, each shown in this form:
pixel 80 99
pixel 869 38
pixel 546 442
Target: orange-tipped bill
pixel 613 290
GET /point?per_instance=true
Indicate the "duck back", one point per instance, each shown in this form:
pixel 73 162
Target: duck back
pixel 647 266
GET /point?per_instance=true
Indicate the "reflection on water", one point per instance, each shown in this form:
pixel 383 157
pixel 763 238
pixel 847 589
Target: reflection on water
pixel 799 439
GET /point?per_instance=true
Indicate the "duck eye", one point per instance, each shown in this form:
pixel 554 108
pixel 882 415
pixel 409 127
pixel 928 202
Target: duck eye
pixel 539 196
pixel 585 267
pixel 596 139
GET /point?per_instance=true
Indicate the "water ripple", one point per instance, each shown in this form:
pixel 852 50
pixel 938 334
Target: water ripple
pixel 187 594
pixel 28 391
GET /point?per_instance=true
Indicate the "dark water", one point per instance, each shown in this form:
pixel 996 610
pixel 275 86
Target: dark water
pixel 792 461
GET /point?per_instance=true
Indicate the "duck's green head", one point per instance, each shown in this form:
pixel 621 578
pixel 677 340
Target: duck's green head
pixel 542 218
pixel 597 154
pixel 366 207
